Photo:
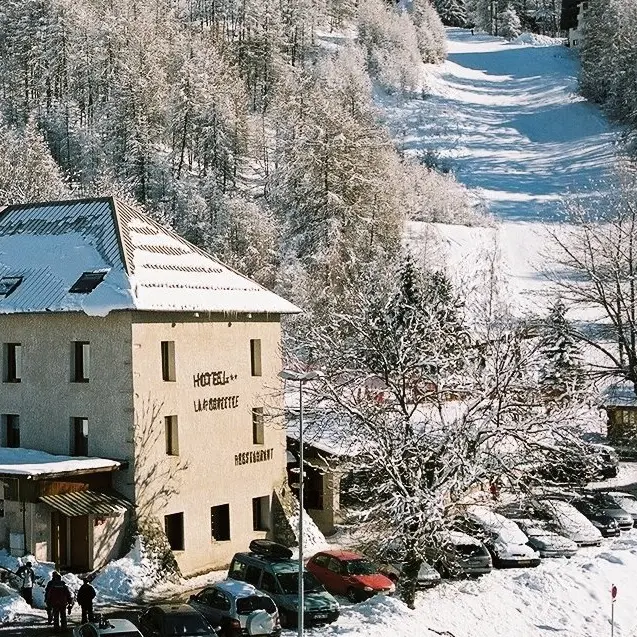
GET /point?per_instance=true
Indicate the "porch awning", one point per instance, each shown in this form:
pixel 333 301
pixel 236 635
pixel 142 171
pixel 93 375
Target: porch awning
pixel 76 503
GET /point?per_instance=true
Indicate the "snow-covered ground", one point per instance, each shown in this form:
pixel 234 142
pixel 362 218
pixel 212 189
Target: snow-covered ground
pixel 508 118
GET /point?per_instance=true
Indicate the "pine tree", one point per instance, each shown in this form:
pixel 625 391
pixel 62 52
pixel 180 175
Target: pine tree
pixel 510 25
pixel 561 373
pixel 452 12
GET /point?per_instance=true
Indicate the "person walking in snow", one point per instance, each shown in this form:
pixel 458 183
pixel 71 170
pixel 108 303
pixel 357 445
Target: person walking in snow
pixel 27 575
pixel 85 596
pixel 58 597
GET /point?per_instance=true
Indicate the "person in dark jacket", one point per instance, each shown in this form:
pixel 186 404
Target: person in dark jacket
pixel 85 596
pixel 27 581
pixel 58 597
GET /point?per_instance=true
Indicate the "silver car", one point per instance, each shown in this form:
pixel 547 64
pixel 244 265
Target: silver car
pixel 460 556
pixel 237 608
pixel 546 542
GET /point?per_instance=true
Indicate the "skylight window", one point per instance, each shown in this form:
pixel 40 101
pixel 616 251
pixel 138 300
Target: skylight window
pixel 88 282
pixel 8 284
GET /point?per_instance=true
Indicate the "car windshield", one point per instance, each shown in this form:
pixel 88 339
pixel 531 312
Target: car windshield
pixel 360 567
pixel 185 625
pixel 245 605
pixel 290 583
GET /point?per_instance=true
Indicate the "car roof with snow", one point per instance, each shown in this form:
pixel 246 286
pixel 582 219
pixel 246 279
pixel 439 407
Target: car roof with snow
pixel 237 588
pixel 458 537
pixel 507 530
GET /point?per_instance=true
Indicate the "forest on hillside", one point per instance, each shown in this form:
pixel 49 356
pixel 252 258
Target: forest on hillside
pixel 247 125
pixel 609 61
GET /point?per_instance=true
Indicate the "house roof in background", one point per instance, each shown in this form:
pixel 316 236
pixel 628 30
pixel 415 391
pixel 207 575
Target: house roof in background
pixel 620 394
pixel 134 262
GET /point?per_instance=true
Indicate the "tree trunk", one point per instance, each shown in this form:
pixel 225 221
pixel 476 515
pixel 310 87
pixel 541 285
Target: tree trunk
pixel 409 579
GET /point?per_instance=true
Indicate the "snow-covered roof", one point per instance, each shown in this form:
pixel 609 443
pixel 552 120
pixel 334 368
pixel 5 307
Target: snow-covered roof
pixel 31 463
pixel 140 265
pixel 621 394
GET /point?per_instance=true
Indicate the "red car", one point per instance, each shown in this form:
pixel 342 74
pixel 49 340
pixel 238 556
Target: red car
pixel 351 574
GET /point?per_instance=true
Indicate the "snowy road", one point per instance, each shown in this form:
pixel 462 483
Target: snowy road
pixel 511 123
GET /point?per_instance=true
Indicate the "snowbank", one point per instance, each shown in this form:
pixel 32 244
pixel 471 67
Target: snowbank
pixel 313 539
pixel 535 39
pixel 128 578
pixel 11 605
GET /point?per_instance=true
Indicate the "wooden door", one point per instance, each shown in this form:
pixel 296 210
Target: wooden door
pixel 79 543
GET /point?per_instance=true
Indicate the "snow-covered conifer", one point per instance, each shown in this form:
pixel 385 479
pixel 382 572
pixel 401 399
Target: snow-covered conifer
pixel 452 12
pixel 561 371
pixel 510 25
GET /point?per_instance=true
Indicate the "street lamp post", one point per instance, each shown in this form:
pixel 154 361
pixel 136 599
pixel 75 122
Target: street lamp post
pixel 300 378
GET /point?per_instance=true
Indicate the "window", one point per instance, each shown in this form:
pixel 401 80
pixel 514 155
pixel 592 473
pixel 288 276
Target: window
pixel 11 430
pixel 217 599
pixel 174 526
pixel 321 560
pixel 260 513
pixel 88 282
pixel 79 436
pixel 237 569
pixel 257 426
pixel 12 362
pixel 168 360
pixel 81 361
pixel 252 575
pixel 268 583
pixel 8 284
pixel 172 436
pixel 255 357
pixel 220 522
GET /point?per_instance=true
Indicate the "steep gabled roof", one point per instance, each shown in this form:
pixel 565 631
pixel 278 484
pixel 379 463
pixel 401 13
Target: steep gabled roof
pixel 113 257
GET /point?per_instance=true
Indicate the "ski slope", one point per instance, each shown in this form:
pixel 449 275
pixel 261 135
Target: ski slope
pixel 508 119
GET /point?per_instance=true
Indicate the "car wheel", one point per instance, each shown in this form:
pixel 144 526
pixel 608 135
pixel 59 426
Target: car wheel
pixel 352 595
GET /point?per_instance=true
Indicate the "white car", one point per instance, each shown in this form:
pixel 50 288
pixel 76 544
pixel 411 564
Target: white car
pixel 545 542
pixel 110 627
pixel 504 539
pixel 565 519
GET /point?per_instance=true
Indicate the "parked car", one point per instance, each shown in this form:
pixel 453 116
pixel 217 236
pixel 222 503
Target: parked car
pixel 168 620
pixel 271 570
pixel 428 576
pixel 237 608
pixel 460 555
pixel 625 501
pixel 108 627
pixel 545 542
pixel 606 521
pixel 563 518
pixel 350 574
pixel 504 539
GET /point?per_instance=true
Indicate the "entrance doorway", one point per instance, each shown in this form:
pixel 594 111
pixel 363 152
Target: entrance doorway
pixel 70 541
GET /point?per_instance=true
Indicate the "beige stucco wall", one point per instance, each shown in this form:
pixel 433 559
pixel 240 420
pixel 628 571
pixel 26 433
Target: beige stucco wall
pixel 208 439
pixel 46 399
pixel 106 536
